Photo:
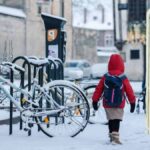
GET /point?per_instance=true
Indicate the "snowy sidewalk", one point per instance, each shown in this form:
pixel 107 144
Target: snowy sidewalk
pixel 94 137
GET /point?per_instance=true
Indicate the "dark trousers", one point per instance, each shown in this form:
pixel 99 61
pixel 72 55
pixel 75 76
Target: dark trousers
pixel 114 125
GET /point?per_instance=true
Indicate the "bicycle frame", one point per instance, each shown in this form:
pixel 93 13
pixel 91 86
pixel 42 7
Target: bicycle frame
pixel 28 93
pixel 12 99
pixel 55 105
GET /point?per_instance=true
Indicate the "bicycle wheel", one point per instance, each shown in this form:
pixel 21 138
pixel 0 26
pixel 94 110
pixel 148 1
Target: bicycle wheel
pixel 73 119
pixel 100 114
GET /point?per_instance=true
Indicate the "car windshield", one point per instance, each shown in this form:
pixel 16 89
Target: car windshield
pixel 71 64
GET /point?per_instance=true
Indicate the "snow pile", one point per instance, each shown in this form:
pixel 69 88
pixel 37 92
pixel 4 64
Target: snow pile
pixel 95 136
pixel 12 12
pixel 5 114
pixel 99 69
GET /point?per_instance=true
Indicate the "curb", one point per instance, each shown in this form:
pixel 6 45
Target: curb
pixel 15 120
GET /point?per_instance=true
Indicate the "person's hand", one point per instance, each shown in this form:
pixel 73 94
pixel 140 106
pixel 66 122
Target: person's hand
pixel 95 105
pixel 132 107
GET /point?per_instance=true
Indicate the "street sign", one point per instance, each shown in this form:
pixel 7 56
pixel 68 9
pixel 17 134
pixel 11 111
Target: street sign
pixel 123 6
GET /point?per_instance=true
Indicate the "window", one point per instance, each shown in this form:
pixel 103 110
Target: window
pixel 135 54
pixel 95 18
pixel 13 3
pixel 42 1
pixel 137 10
pixel 109 40
pixel 100 7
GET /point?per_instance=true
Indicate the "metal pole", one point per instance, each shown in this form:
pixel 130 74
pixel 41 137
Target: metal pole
pixel 120 24
pixel 114 20
pixel 21 97
pixel 25 61
pixel 144 76
pixel 11 104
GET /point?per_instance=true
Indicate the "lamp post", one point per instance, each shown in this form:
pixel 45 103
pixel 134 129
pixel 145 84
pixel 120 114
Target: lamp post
pixel 119 42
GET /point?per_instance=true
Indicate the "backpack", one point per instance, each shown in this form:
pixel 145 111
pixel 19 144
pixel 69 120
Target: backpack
pixel 113 93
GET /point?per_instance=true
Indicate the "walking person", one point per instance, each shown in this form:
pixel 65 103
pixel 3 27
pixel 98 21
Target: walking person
pixel 112 88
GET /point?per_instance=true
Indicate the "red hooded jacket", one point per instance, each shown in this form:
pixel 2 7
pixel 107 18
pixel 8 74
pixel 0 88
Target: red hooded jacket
pixel 115 67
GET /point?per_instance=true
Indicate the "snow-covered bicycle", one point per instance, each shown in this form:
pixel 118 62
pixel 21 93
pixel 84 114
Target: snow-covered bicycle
pixel 95 116
pixel 59 108
pixel 141 105
pixel 88 87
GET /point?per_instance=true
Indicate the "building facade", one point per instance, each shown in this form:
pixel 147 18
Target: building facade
pixel 129 29
pixel 22 28
pixel 92 44
pixel 93 35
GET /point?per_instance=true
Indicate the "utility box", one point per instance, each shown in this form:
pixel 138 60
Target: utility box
pixel 55 36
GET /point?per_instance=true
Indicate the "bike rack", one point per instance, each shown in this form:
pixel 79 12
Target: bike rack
pixel 25 61
pixel 54 69
pixel 36 65
pixel 60 67
pixel 51 70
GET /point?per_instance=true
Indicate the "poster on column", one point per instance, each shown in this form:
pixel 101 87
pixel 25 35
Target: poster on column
pixel 53 51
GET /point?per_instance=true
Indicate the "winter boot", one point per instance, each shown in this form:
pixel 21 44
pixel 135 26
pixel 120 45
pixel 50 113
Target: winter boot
pixel 110 137
pixel 114 136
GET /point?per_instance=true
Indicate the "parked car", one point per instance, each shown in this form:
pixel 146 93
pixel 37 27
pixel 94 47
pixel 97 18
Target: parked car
pixel 77 69
pixel 98 70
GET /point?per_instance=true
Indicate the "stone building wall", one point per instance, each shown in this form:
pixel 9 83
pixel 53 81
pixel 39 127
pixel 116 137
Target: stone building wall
pixel 13 3
pixel 84 44
pixel 56 10
pixel 35 31
pixel 12 39
pixel 86 41
pixel 133 67
pixel 31 29
pixel 68 28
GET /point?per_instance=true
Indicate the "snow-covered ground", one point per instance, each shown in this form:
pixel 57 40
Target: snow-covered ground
pixel 95 136
pixel 95 11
